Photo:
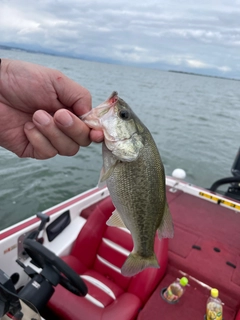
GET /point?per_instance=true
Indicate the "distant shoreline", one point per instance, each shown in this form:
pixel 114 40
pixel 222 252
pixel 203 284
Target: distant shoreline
pixel 202 75
pixel 4 47
pixel 52 53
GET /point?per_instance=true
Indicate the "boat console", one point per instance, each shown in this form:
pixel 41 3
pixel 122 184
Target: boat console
pixel 37 292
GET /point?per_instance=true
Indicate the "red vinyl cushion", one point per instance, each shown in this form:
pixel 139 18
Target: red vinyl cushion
pixel 69 306
pixel 238 316
pixel 87 258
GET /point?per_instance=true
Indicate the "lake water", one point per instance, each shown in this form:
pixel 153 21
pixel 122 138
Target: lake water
pixel 194 121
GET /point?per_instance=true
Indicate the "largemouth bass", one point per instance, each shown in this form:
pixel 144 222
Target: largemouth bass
pixel 134 173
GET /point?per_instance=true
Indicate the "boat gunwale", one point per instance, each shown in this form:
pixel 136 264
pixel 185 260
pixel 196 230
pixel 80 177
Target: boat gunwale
pixel 5 233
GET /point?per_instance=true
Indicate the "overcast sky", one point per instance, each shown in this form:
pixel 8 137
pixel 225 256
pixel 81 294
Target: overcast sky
pixel 198 36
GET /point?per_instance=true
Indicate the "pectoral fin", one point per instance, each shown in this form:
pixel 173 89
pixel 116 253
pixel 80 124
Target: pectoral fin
pixel 166 229
pixel 101 184
pixel 115 220
pixel 104 175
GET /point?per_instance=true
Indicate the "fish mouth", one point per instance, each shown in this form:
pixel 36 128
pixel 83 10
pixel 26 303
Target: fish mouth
pixel 94 117
pixel 113 139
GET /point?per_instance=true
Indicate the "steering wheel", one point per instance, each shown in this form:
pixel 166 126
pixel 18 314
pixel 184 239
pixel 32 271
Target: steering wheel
pixel 43 257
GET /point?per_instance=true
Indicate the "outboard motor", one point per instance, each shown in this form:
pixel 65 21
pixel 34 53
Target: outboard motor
pixel 236 165
pixel 234 189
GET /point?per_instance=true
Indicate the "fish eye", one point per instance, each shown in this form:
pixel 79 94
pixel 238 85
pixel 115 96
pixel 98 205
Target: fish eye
pixel 124 114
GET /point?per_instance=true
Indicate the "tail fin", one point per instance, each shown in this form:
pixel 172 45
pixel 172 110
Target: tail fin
pixel 135 263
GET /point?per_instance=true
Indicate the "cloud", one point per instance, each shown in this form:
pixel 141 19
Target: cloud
pixel 191 35
pixel 196 64
pixel 224 68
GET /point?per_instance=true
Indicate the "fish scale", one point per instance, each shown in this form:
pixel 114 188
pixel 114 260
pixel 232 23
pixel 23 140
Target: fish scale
pixel 139 189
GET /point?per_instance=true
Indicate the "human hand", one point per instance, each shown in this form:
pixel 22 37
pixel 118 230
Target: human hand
pixel 39 109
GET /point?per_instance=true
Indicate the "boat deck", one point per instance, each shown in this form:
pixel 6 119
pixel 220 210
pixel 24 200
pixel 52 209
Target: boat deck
pixel 206 247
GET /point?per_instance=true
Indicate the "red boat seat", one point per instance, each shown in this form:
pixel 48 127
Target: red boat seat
pixel 97 255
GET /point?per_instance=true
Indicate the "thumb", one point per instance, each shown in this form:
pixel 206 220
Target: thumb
pixel 71 94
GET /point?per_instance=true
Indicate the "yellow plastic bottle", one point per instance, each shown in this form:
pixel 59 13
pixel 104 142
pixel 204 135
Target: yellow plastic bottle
pixel 214 306
pixel 175 290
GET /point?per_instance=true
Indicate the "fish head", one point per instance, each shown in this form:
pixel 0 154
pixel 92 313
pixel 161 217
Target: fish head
pixel 120 127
